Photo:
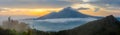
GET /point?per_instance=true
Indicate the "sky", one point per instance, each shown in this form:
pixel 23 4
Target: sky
pixel 43 7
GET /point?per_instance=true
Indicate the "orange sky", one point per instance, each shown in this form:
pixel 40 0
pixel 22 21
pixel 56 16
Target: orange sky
pixel 29 12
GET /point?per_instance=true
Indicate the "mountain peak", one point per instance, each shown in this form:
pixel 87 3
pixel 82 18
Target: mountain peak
pixel 110 18
pixel 68 8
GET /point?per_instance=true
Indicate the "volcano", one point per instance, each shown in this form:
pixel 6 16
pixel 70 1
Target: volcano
pixel 67 12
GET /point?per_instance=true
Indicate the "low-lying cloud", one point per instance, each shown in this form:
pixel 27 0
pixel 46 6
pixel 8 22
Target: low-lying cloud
pixel 58 24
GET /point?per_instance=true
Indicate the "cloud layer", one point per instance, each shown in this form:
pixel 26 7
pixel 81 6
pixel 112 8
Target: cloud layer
pixel 34 3
pixel 58 24
pixel 55 3
pixel 107 3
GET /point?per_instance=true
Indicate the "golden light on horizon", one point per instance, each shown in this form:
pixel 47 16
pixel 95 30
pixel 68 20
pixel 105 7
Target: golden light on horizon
pixel 37 13
pixel 29 12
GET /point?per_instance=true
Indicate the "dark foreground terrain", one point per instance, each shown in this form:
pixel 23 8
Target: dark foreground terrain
pixel 105 26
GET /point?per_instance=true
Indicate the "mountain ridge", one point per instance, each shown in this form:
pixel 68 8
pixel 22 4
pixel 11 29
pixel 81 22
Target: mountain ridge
pixel 105 26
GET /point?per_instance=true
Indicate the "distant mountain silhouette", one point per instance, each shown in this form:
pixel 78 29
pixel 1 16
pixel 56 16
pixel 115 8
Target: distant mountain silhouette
pixel 67 12
pixel 106 26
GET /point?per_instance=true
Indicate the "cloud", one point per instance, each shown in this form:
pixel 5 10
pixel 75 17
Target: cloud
pixel 4 9
pixel 58 24
pixel 106 3
pixel 34 3
pixel 63 20
pixel 82 8
pixel 55 3
pixel 74 1
pixel 96 9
